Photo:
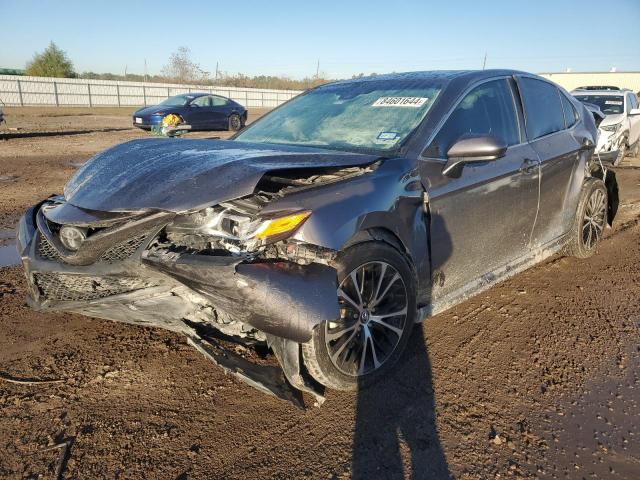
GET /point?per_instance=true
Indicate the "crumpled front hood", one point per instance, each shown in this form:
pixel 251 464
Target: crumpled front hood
pixel 187 174
pixel 612 119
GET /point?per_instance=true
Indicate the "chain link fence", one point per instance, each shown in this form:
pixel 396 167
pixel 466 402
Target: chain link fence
pixel 69 92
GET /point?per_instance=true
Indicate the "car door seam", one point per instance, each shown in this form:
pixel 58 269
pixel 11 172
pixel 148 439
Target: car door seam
pixel 535 218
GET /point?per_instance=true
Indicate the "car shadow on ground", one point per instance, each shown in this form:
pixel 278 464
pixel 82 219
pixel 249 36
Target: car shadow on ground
pixel 396 436
pixel 59 133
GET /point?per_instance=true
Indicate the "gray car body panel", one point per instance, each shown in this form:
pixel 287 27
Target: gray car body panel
pixel 461 233
pixel 181 175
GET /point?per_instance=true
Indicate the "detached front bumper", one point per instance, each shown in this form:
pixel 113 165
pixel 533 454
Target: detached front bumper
pixel 280 298
pixel 609 144
pixel 153 286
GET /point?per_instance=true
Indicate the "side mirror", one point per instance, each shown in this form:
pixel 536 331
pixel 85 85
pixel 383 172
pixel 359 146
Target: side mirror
pixel 634 111
pixel 471 150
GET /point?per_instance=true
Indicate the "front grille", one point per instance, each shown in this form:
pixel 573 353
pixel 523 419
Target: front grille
pixel 64 287
pixel 120 251
pixel 47 251
pixel 123 250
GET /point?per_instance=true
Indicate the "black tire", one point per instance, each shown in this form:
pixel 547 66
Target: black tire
pixel 330 355
pixel 590 220
pixel 235 122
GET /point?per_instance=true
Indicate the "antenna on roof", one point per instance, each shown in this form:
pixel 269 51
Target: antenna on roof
pixel 484 62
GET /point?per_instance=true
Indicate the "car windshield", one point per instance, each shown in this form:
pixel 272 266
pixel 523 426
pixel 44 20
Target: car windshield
pixel 609 104
pixel 177 101
pixel 352 116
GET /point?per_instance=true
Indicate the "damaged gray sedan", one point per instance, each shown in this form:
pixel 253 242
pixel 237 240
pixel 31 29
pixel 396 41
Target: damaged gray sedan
pixel 328 228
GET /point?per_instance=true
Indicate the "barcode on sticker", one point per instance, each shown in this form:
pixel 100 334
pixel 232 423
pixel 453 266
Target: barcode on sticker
pixel 412 102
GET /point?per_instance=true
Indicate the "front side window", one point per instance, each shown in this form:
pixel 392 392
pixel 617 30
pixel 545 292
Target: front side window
pixel 488 109
pixel 177 101
pixel 609 104
pixel 204 101
pixel 375 115
pixel 542 106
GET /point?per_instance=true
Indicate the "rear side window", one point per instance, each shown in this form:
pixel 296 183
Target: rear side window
pixel 488 109
pixel 570 116
pixel 543 110
pixel 633 101
pixel 218 101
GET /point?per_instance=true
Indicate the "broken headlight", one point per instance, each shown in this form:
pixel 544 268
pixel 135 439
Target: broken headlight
pixel 611 128
pixel 224 227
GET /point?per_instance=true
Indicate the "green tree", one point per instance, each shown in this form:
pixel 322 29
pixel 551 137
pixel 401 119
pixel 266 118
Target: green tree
pixel 52 62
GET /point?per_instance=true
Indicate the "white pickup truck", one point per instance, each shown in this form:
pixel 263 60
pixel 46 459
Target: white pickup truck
pixel 620 130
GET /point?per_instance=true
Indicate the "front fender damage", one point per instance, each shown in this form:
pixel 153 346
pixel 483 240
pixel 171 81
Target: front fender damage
pixel 279 298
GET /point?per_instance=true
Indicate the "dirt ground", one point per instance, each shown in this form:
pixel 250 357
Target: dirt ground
pixel 538 377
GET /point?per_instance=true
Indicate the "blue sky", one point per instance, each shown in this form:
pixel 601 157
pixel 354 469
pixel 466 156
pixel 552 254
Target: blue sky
pixel 348 37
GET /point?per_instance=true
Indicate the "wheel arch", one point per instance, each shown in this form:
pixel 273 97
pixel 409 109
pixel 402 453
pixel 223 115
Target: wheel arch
pixel 381 234
pixel 415 249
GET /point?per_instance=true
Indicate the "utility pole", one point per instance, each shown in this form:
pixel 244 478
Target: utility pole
pixel 484 62
pixel 318 69
pixel 145 69
pixel 216 71
pixel 125 72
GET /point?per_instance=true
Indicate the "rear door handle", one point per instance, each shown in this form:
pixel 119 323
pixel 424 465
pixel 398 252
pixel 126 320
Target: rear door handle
pixel 528 166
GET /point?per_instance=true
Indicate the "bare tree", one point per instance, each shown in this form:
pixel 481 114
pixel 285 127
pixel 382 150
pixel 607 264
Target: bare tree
pixel 182 69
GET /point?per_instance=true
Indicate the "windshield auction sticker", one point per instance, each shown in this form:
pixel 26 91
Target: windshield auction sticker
pixel 411 102
pixel 388 136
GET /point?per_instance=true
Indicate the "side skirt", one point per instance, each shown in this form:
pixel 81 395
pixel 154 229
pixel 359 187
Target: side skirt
pixel 490 279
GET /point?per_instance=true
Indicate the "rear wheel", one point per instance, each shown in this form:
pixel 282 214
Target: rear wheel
pixel 235 122
pixel 590 220
pixel 376 295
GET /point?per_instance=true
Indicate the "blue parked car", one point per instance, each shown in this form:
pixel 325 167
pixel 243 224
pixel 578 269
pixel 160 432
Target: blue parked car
pixel 202 111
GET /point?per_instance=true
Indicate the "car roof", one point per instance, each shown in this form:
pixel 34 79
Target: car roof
pixel 194 94
pixel 600 87
pixel 580 91
pixel 436 74
pixel 441 77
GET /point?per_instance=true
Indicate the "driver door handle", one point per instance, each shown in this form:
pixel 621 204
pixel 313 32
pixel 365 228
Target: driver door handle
pixel 528 166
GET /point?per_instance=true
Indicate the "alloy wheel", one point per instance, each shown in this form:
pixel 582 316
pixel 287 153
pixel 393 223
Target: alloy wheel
pixel 234 122
pixel 373 315
pixel 594 219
